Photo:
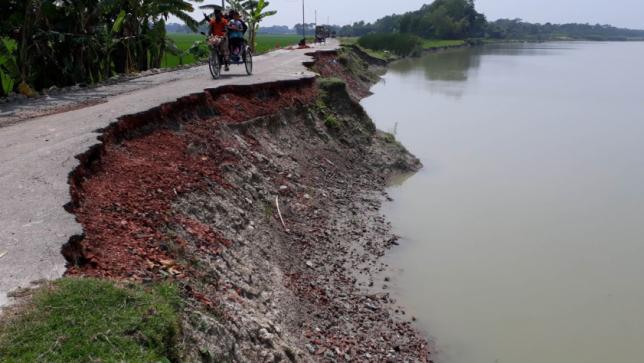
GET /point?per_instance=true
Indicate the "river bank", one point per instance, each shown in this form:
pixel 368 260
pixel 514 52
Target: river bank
pixel 262 203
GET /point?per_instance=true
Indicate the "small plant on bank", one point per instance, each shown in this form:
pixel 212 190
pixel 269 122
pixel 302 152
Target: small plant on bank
pixel 389 138
pixel 327 88
pixel 90 320
pixel 332 122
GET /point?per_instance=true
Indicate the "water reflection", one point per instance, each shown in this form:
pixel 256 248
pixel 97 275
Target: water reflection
pixel 453 66
pixel 450 71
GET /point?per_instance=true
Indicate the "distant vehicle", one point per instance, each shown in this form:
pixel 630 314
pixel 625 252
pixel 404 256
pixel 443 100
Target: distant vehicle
pixel 321 33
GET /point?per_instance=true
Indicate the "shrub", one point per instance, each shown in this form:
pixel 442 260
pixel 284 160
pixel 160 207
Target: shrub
pixel 332 122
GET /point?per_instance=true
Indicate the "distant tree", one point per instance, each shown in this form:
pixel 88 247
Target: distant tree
pixel 448 19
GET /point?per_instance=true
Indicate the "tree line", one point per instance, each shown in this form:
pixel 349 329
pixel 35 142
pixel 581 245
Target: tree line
pixel 442 19
pixel 518 29
pixel 458 19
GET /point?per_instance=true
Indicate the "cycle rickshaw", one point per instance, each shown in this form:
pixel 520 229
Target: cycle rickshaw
pixel 216 59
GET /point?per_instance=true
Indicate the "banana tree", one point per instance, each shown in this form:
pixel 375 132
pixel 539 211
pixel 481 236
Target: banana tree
pixel 8 65
pixel 256 14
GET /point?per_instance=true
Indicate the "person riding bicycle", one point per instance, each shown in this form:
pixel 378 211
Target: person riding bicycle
pixel 236 30
pixel 218 33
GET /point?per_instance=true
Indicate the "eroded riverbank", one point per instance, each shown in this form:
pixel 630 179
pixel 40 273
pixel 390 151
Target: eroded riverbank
pixel 189 192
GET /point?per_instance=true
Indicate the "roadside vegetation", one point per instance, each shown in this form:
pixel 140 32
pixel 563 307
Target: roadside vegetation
pixel 45 43
pixel 89 320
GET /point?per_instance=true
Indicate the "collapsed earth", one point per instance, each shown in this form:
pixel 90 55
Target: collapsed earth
pixel 260 205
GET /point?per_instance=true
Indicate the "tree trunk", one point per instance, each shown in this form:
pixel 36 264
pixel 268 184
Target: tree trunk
pixel 24 61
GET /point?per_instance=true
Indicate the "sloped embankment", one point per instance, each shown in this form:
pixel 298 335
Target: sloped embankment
pixel 262 204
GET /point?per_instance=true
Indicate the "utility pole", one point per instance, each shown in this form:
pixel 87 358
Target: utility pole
pixel 303 25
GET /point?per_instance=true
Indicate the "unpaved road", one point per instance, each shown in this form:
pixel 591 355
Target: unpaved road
pixel 37 154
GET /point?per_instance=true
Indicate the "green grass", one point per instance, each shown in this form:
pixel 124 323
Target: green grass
pixel 268 42
pixel 385 55
pixel 265 43
pixel 184 42
pixel 88 320
pixel 348 40
pixel 434 44
pixel 383 48
pixel 400 44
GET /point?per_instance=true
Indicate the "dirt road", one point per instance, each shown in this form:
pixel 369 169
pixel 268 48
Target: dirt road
pixel 38 152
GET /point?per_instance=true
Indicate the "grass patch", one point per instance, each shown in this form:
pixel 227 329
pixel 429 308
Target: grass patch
pixel 184 42
pixel 265 43
pixel 389 47
pixel 384 55
pixel 89 320
pixel 429 44
pixel 400 44
pixel 330 85
pixel 347 41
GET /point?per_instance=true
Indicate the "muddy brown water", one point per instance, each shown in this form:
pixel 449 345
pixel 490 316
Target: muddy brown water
pixel 523 237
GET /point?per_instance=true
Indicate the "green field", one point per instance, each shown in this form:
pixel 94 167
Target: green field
pixel 265 43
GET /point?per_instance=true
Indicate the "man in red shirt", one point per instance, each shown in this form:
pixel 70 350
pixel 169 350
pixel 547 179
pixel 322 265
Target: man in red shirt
pixel 218 29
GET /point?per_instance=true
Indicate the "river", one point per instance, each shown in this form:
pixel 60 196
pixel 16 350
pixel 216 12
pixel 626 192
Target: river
pixel 523 236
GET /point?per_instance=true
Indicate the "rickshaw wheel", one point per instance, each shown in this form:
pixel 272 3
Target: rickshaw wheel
pixel 248 61
pixel 214 64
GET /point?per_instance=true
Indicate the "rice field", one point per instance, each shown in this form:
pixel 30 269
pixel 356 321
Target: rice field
pixel 265 43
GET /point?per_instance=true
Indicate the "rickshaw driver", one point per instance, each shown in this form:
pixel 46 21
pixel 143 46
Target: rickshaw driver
pixel 218 29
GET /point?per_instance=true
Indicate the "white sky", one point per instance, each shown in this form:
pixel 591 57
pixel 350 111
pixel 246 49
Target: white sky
pixel 622 13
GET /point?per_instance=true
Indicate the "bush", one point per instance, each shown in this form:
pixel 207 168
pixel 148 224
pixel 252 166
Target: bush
pixel 8 65
pixel 403 45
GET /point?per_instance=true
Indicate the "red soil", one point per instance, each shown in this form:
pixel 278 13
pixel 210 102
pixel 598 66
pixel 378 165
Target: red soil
pixel 123 191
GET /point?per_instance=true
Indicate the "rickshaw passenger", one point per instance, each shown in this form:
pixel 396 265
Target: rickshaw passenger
pixel 236 30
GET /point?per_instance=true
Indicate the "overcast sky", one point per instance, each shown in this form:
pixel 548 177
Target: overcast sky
pixel 622 13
